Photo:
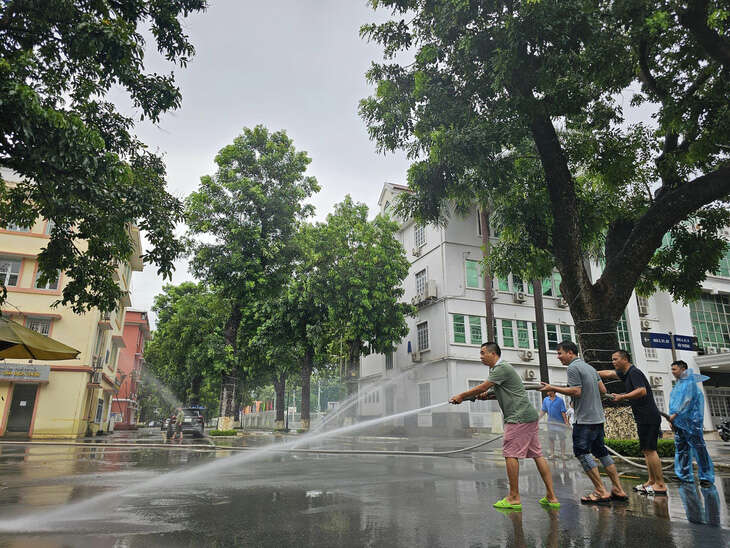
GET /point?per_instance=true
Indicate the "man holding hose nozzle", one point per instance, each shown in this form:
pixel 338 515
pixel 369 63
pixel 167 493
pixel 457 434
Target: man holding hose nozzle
pixel 585 387
pixel 520 429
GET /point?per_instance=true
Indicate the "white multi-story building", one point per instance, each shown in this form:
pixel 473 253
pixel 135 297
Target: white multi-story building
pixel 440 355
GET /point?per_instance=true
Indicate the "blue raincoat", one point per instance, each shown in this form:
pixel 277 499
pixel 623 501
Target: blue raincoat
pixel 687 402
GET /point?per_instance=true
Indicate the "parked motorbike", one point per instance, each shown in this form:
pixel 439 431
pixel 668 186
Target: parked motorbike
pixel 724 430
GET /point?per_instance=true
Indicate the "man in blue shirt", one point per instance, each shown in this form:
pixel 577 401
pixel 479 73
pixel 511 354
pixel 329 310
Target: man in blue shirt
pixel 558 425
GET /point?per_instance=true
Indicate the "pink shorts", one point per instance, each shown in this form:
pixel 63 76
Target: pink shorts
pixel 520 441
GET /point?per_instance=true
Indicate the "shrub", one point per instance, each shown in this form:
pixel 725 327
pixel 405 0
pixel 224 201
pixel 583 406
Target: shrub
pixel 222 433
pixel 630 448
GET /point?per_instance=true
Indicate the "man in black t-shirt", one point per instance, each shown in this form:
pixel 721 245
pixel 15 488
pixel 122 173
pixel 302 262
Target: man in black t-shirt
pixel 646 415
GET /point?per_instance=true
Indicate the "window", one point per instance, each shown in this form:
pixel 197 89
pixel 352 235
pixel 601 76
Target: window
pixel 517 284
pixel 565 333
pixel 422 330
pixel 508 338
pixel 651 354
pixel 643 304
pixel 503 284
pixel 99 410
pixel 659 400
pixel 49 227
pixel 9 271
pixel 552 336
pixel 475 329
pixel 535 342
pixel 17 228
pixel 388 360
pixel 421 282
pixel 50 284
pixel 719 402
pixel 710 316
pixel 419 235
pixel 474 278
pixel 523 336
pixel 724 267
pixel 557 278
pixel 547 287
pixel 459 328
pixel 39 325
pixel 622 330
pixel 424 394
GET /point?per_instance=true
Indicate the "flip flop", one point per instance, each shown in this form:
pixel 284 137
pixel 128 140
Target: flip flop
pixel 651 491
pixel 506 505
pixel 622 498
pixel 545 502
pixel 640 488
pixel 592 499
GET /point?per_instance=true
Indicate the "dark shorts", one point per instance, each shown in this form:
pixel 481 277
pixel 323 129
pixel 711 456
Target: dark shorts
pixel 178 428
pixel 588 438
pixel 648 436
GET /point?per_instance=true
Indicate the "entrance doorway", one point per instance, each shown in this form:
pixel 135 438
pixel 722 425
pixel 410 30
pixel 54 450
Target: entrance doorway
pixel 21 409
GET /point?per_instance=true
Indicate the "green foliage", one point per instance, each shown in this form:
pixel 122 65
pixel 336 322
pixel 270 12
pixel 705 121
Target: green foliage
pixel 358 267
pixel 522 105
pixel 188 352
pixel 215 433
pixel 74 156
pixel 630 448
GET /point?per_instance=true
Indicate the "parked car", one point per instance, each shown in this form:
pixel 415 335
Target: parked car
pixel 724 430
pixel 193 423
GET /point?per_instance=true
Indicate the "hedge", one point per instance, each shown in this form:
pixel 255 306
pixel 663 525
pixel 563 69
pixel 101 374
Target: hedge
pixel 222 433
pixel 630 448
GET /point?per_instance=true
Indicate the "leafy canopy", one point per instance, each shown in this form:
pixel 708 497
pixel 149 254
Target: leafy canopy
pixel 532 103
pixel 71 152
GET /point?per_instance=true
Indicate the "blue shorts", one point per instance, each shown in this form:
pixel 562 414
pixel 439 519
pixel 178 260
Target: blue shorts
pixel 587 440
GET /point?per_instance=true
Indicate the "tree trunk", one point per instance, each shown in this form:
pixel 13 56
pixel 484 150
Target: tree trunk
pixel 306 392
pixel 540 328
pixel 352 374
pixel 280 390
pixel 486 247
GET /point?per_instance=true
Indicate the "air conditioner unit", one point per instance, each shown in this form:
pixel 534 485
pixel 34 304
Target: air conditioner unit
pixel 518 297
pixel 431 291
pixel 526 355
pixel 530 375
pixel 96 377
pixel 724 350
pixel 562 303
pixel 710 350
pixel 655 381
pixel 495 294
pixel 416 251
pixel 645 325
pixel 643 310
pixel 416 356
pixel 416 299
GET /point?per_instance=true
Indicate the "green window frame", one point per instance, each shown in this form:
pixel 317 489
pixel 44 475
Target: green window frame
pixel 557 278
pixel 459 328
pixel 566 333
pixel 475 329
pixel 552 336
pixel 503 284
pixel 547 287
pixel 523 336
pixel 508 336
pixel 473 274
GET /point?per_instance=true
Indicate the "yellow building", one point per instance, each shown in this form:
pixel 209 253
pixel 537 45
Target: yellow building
pixel 64 399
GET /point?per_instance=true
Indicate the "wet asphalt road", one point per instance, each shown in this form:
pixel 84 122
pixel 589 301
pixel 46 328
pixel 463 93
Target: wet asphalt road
pixel 326 500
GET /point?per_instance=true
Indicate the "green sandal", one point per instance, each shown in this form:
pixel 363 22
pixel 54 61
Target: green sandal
pixel 545 502
pixel 503 504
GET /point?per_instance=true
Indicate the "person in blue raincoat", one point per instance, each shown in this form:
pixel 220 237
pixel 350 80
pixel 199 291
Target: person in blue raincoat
pixel 686 413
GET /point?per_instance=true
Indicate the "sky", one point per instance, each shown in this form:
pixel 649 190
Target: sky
pixel 296 65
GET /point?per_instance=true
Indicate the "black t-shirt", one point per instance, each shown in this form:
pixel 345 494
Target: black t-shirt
pixel 644 408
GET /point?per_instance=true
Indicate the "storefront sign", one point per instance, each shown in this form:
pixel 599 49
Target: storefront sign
pixel 21 372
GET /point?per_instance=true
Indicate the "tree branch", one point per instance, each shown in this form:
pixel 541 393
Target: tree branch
pixel 694 19
pixel 625 267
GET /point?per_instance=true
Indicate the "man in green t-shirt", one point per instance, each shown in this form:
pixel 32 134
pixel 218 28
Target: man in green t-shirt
pixel 520 438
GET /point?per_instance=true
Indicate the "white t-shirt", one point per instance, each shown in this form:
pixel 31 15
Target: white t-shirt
pixel 571 415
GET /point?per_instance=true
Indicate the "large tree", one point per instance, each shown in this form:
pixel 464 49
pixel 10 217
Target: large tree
pixel 74 154
pixel 188 352
pixel 498 88
pixel 357 273
pixel 242 222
